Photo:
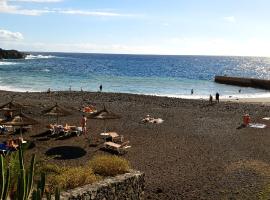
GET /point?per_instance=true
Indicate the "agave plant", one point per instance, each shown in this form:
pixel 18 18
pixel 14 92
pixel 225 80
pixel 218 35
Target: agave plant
pixel 23 190
pixel 4 180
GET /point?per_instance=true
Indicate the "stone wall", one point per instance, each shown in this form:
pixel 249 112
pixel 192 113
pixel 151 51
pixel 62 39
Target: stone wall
pixel 244 82
pixel 127 186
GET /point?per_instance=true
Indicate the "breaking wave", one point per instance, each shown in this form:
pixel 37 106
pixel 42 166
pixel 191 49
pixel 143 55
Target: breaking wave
pixel 7 63
pixel 31 57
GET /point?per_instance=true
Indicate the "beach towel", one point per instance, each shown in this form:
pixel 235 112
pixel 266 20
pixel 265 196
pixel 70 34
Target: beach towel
pixel 266 118
pixel 157 121
pixel 149 119
pixel 256 125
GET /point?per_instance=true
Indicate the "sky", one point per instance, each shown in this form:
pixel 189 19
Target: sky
pixel 177 27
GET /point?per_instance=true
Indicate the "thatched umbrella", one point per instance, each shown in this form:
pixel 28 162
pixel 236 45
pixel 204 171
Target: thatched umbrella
pixel 11 106
pixel 104 115
pixel 56 111
pixel 19 120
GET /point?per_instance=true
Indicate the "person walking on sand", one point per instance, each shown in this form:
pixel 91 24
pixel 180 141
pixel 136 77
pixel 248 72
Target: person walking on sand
pixel 100 88
pixel 83 124
pixel 217 97
pixel 210 99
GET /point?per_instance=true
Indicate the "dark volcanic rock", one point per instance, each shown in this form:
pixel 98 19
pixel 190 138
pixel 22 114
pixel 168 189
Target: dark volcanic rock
pixel 11 54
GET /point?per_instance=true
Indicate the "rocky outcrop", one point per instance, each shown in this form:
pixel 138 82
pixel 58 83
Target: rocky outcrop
pixel 244 82
pixel 11 54
pixel 129 186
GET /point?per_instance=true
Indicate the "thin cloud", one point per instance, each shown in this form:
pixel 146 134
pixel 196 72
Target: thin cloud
pixel 6 35
pixel 92 13
pixel 38 1
pixel 13 9
pixel 10 9
pixel 230 19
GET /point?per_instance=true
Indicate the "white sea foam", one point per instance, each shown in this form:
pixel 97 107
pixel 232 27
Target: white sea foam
pixel 45 70
pixel 226 97
pixel 16 89
pixel 31 57
pixel 7 63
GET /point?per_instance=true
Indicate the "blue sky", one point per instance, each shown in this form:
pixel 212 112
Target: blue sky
pixel 182 27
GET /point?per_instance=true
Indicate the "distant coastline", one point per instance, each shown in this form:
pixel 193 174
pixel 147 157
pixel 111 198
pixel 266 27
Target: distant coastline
pixel 11 54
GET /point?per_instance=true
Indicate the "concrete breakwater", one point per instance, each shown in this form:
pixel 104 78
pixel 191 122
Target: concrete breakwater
pixel 243 82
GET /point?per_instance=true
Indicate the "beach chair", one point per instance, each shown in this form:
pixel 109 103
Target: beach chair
pixel 77 130
pixel 3 130
pixel 119 148
pixel 3 149
pixel 115 137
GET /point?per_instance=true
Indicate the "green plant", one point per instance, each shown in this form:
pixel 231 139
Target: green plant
pixel 50 169
pixel 5 180
pixel 23 188
pixel 72 177
pixel 109 165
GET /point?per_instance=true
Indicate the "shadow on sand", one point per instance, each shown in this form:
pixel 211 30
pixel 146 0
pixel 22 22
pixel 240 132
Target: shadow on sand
pixel 43 134
pixel 66 152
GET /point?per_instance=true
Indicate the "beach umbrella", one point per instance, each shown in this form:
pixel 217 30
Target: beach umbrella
pixel 56 111
pixel 104 115
pixel 19 120
pixel 11 106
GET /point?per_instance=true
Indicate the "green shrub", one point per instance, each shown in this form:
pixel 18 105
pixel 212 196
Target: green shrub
pixel 50 169
pixel 72 177
pixel 109 165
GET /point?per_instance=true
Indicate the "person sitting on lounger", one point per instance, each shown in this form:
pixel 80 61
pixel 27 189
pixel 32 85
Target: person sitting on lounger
pixel 8 115
pixel 12 144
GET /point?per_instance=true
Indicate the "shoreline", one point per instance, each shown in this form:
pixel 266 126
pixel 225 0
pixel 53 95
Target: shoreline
pixel 233 99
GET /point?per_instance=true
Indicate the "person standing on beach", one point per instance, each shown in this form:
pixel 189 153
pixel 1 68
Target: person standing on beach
pixel 210 99
pixel 83 124
pixel 100 88
pixel 217 97
pixel 192 91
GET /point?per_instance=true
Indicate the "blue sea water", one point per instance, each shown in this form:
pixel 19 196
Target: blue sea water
pixel 140 74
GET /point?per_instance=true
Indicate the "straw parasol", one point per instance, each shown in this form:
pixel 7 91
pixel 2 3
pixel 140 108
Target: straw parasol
pixel 104 115
pixel 19 120
pixel 56 111
pixel 11 106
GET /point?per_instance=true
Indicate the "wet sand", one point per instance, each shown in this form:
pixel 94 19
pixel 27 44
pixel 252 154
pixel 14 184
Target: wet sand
pixel 196 153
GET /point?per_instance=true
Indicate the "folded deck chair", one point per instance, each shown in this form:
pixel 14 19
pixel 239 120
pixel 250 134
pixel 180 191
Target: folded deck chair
pixel 115 137
pixel 119 148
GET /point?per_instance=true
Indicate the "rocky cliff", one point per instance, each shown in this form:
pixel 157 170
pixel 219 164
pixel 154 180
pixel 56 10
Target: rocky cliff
pixel 11 54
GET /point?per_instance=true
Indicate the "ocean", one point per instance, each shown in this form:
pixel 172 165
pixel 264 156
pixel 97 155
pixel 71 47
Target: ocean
pixel 172 76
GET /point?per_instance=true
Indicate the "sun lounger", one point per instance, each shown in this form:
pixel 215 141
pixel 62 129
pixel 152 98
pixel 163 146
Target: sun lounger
pixel 55 129
pixel 76 130
pixel 6 129
pixel 3 149
pixel 115 137
pixel 257 125
pixel 119 148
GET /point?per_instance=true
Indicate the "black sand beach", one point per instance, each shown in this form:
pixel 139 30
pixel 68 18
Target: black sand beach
pixel 196 153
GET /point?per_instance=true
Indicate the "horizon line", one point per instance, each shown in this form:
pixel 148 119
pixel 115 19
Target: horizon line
pixel 142 54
